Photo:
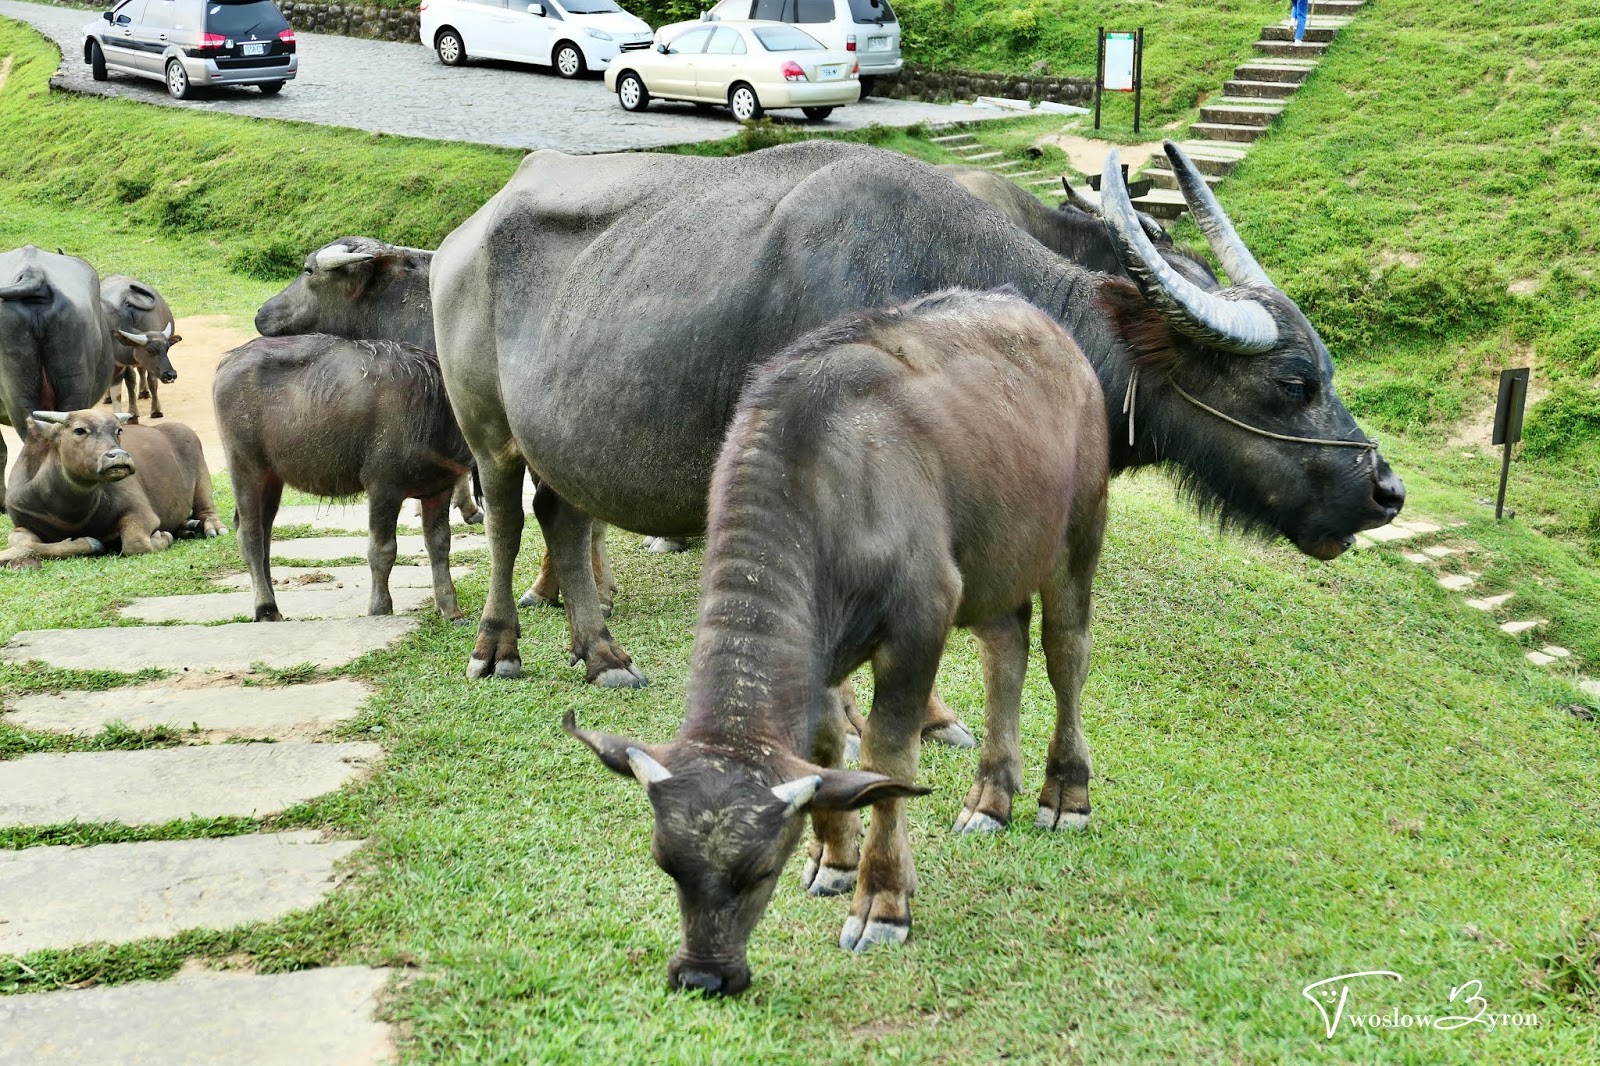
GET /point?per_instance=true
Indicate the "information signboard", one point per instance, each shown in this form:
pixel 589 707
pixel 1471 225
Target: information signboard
pixel 1119 67
pixel 1119 62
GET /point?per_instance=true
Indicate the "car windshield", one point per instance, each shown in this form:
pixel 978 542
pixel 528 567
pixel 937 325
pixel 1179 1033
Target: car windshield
pixel 589 7
pixel 872 11
pixel 235 20
pixel 786 39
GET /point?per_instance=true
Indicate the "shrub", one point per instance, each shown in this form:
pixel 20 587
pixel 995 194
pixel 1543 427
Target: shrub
pixel 1563 422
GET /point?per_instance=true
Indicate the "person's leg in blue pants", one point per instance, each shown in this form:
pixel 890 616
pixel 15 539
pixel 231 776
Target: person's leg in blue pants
pixel 1302 8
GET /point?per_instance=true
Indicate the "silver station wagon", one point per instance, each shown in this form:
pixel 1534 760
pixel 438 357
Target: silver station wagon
pixel 188 43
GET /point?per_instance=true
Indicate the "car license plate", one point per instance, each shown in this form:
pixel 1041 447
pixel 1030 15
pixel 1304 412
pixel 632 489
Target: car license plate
pixel 878 44
pixel 833 73
pixel 256 49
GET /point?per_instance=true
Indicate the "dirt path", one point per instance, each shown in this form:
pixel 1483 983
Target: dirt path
pixel 1088 156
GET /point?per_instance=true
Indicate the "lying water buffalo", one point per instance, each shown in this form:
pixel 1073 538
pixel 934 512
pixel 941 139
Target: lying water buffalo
pixel 337 417
pixel 888 476
pixel 85 483
pixel 142 334
pixel 55 347
pixel 576 340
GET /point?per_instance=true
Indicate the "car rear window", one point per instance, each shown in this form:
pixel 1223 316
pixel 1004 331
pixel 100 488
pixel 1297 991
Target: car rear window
pixel 233 20
pixel 786 39
pixel 868 11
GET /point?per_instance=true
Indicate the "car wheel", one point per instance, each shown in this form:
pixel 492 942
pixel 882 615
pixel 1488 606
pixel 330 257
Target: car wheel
pixel 744 103
pixel 569 61
pixel 271 88
pixel 869 82
pixel 97 61
pixel 178 86
pixel 631 93
pixel 817 114
pixel 452 51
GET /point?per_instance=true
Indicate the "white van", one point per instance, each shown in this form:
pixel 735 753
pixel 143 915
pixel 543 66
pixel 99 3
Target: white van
pixel 867 28
pixel 574 36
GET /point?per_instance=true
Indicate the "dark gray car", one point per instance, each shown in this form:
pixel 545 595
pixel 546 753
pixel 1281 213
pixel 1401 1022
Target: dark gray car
pixel 185 43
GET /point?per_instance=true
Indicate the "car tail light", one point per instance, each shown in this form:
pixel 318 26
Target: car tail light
pixel 212 40
pixel 850 43
pixel 287 35
pixel 792 71
pixel 856 70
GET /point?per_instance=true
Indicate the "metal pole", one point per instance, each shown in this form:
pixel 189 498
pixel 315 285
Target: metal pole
pixel 1138 76
pixel 1099 73
pixel 1505 472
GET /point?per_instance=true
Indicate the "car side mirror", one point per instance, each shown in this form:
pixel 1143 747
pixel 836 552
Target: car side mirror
pixel 662 48
pixel 106 16
pixel 536 9
pixel 123 20
pixel 705 16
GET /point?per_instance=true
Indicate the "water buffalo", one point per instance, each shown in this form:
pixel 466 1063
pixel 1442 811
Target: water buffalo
pixel 142 335
pixel 337 417
pixel 597 319
pixel 85 483
pixel 886 477
pixel 55 346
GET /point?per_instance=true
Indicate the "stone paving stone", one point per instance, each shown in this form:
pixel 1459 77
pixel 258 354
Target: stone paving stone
pixel 1414 557
pixel 309 602
pixel 1456 582
pixel 233 647
pixel 319 549
pixel 1522 625
pixel 204 1018
pixel 1416 525
pixel 1589 686
pixel 1539 658
pixel 404 575
pixel 157 785
pixel 1439 551
pixel 244 711
pixel 1489 603
pixel 1390 532
pixel 349 517
pixel 1555 651
pixel 63 897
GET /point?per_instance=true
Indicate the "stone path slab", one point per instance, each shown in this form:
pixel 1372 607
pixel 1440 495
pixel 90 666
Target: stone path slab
pixel 1539 658
pixel 322 549
pixel 203 1018
pixel 1489 603
pixel 63 897
pixel 302 603
pixel 326 577
pixel 1521 625
pixel 347 517
pixel 235 646
pixel 158 785
pixel 245 711
pixel 1456 582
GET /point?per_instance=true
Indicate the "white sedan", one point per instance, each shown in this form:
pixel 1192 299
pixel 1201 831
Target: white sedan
pixel 750 67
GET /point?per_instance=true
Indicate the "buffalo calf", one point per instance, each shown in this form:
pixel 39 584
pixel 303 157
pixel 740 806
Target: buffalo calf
pixel 338 417
pixel 142 334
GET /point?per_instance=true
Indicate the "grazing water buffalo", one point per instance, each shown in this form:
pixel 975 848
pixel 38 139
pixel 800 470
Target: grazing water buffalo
pixel 337 417
pixel 55 347
pixel 577 339
pixel 889 476
pixel 85 483
pixel 142 332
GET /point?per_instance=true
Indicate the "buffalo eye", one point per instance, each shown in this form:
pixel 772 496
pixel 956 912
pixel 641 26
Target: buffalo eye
pixel 80 432
pixel 307 270
pixel 1294 389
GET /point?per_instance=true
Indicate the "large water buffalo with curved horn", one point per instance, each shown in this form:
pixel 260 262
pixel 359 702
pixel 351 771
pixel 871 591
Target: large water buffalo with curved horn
pixel 579 339
pixel 55 346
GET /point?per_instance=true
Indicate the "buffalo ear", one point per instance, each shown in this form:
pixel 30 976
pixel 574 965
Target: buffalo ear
pixel 847 790
pixel 175 338
pixel 611 749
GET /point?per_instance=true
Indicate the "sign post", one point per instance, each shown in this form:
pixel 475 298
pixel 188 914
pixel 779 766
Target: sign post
pixel 1508 425
pixel 1119 67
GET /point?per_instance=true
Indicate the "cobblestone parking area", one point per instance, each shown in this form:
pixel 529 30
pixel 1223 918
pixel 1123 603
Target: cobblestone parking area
pixel 403 89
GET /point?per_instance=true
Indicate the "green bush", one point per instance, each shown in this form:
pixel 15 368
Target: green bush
pixel 1563 422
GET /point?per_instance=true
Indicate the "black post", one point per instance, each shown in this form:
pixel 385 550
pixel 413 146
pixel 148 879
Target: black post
pixel 1138 75
pixel 1508 425
pixel 1505 473
pixel 1099 73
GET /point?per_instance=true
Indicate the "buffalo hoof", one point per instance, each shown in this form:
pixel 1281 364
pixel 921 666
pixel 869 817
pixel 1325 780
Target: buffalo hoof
pixel 953 735
pixel 861 936
pixel 620 677
pixel 1061 820
pixel 96 545
pixel 459 620
pixel 144 394
pixel 474 519
pixel 970 821
pixel 268 614
pixel 505 669
pixel 157 414
pixel 819 880
pixel 533 599
pixel 665 545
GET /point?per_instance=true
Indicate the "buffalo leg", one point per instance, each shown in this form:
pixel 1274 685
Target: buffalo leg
pixel 436 536
pixel 495 653
pixel 139 534
pixel 203 512
pixel 1064 800
pixel 256 497
pixel 1003 644
pixel 940 723
pixel 462 499
pixel 830 869
pixel 383 514
pixel 567 535
pixel 153 391
pixel 24 546
pixel 546 589
pixel 130 388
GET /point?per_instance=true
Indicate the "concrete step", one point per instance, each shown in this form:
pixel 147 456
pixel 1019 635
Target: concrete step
pixel 952 139
pixel 1239 113
pixel 1162 203
pixel 1263 90
pixel 1010 164
pixel 1336 7
pixel 1214 165
pixel 1166 179
pixel 1224 131
pixel 1280 71
pixel 1290 50
pixel 1194 146
pixel 1314 33
pixel 983 155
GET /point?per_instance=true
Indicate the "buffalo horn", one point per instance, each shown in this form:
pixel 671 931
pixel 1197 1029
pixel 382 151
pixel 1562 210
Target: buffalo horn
pixel 336 256
pixel 167 333
pixel 646 769
pixel 56 417
pixel 1240 266
pixel 140 339
pixel 1152 228
pixel 796 794
pixel 1239 325
pixel 124 417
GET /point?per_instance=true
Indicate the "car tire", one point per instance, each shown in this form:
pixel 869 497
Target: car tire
pixel 869 82
pixel 270 88
pixel 631 93
pixel 178 86
pixel 744 103
pixel 817 114
pixel 451 48
pixel 97 62
pixel 568 60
